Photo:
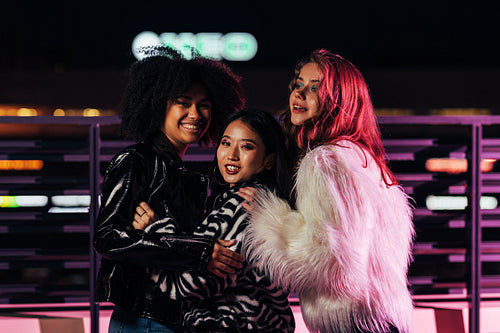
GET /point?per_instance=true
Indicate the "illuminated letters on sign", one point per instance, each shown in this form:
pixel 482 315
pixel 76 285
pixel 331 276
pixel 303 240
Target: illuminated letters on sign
pixel 233 46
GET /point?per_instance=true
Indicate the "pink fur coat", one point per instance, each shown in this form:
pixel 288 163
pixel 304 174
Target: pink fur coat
pixel 347 247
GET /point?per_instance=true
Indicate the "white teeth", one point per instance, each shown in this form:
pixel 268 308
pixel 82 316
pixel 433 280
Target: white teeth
pixel 190 126
pixel 232 167
pixel 296 107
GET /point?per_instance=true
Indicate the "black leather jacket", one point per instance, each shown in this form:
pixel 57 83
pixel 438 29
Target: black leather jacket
pixel 153 173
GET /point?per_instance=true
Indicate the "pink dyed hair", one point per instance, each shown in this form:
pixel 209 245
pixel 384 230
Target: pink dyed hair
pixel 346 110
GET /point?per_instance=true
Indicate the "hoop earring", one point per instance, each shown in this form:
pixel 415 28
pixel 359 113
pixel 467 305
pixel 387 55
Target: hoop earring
pixel 217 172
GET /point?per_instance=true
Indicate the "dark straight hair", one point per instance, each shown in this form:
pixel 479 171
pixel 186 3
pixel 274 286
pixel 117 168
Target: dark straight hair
pixel 269 130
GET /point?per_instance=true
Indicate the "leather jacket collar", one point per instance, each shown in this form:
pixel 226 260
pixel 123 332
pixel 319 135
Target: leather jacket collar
pixel 164 147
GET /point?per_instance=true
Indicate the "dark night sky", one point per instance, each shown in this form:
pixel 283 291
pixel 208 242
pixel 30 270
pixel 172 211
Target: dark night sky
pixel 82 35
pixel 420 54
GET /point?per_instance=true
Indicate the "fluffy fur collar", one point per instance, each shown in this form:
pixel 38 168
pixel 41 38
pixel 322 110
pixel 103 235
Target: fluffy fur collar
pixel 347 247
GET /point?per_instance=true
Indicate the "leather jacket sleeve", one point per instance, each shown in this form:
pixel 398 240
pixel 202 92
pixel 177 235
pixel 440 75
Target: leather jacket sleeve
pixel 125 185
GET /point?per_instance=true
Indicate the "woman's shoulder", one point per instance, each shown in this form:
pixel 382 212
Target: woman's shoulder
pixel 341 145
pixel 138 149
pixel 253 182
pixel 344 155
pixel 132 154
pixel 232 192
pixel 340 150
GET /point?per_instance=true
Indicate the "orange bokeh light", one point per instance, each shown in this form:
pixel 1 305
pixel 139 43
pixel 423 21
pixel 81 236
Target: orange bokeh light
pixel 21 164
pixel 455 165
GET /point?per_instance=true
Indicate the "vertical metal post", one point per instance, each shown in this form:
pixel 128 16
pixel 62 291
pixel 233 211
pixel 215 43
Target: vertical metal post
pixel 94 162
pixel 475 251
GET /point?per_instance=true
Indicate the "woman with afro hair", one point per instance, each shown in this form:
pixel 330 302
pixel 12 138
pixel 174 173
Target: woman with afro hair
pixel 170 103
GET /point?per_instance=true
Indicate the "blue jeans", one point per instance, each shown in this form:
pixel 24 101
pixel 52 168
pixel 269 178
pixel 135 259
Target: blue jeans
pixel 126 322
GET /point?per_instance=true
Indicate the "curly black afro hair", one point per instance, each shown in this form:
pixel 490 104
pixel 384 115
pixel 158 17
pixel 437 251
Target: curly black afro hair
pixel 164 76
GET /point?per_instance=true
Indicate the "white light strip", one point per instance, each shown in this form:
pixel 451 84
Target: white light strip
pixel 14 201
pixel 433 202
pixel 69 210
pixel 71 200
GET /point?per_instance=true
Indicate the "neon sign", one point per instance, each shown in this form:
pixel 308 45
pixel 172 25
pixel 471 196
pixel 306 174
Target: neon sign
pixel 233 46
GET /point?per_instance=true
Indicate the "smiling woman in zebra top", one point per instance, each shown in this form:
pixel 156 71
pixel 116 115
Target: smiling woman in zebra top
pixel 251 152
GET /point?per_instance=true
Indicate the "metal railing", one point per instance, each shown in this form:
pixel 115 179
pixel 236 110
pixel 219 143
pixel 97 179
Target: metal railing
pixel 409 141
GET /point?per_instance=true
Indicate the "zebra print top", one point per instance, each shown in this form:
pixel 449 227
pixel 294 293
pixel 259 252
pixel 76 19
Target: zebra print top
pixel 246 301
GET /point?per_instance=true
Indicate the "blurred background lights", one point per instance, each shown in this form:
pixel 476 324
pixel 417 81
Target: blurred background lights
pixel 434 202
pixel 59 203
pixel 209 45
pixel 59 112
pixel 239 46
pixel 69 210
pixel 11 201
pixel 456 165
pixel 71 200
pixel 91 112
pixel 21 164
pixel 144 39
pixel 233 46
pixel 26 112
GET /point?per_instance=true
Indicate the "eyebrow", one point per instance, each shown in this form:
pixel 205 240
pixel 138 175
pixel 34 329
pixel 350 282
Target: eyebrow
pixel 246 140
pixel 190 98
pixel 300 78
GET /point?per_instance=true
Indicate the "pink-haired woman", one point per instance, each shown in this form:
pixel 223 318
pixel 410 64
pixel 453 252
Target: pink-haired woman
pixel 345 245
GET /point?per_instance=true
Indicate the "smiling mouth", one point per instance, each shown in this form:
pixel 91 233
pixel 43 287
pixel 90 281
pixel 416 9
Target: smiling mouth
pixel 232 169
pixel 298 108
pixel 191 127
